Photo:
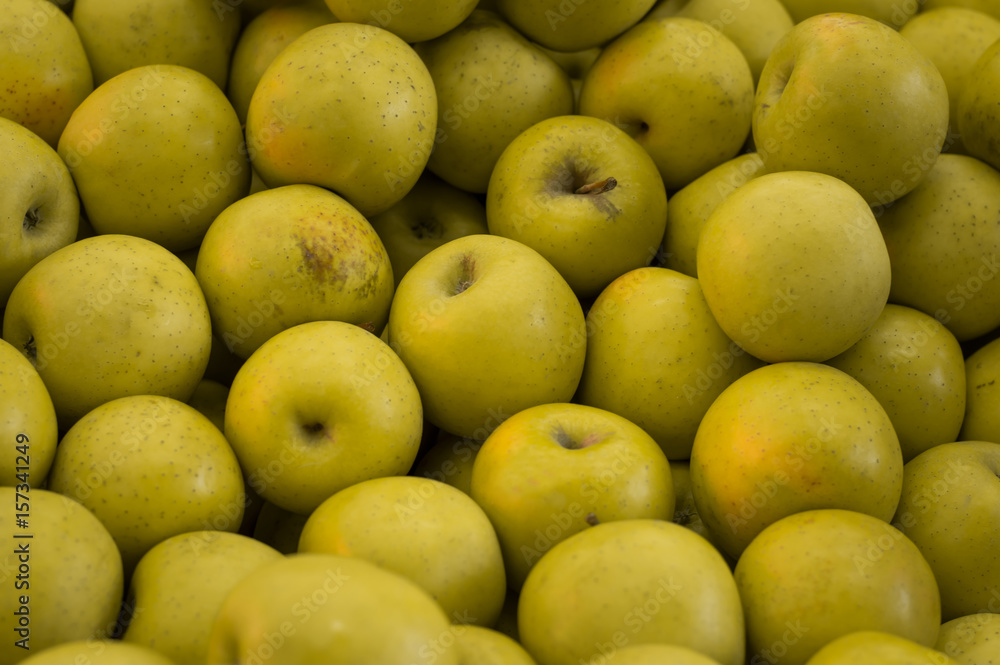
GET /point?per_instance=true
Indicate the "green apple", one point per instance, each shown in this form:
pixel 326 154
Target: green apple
pixel 366 136
pixel 156 152
pixel 755 26
pixel 656 356
pixel 480 107
pixel 431 214
pixel 179 586
pixel 985 6
pixel 209 398
pixel 583 194
pixel 477 645
pixel 950 508
pixel 982 404
pixel 573 26
pixel 944 247
pixel 914 367
pixel 689 208
pixel 412 20
pixel 848 96
pixel 953 38
pixel 149 467
pixel 553 470
pixel 976 114
pixel 793 266
pixel 973 639
pixel 188 33
pixel 487 327
pixel 319 407
pixel 628 583
pixel 291 255
pixel 425 530
pixel 27 421
pixel 279 528
pixel 99 652
pixel 40 211
pixel 324 608
pixel 893 13
pixel 110 316
pixel 870 647
pixel 814 576
pixel 261 40
pixel 791 437
pixel 44 71
pixel 449 460
pixel 655 654
pixel 680 88
pixel 64 583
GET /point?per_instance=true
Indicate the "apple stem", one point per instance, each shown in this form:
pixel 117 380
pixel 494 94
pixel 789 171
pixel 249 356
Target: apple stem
pixel 592 520
pixel 466 278
pixel 598 187
pixel 30 219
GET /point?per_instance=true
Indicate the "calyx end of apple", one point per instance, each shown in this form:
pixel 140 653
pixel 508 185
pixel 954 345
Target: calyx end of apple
pixel 31 219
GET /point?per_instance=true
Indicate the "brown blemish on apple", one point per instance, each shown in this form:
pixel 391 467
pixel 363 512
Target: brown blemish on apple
pixel 467 274
pixel 591 519
pixel 319 256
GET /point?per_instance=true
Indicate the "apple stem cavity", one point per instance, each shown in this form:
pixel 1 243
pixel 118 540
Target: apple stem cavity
pixel 564 439
pixel 30 219
pixel 598 187
pixel 467 275
pixel 30 350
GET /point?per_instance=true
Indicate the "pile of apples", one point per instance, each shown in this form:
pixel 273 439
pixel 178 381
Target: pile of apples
pixel 555 332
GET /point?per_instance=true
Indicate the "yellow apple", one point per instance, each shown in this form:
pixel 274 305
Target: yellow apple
pixel 477 645
pixel 472 302
pixel 27 421
pixel 655 654
pixel 156 152
pixel 481 108
pixel 149 467
pixel 291 255
pixel 953 38
pixel 190 33
pixel 986 6
pixel 680 88
pixel 425 530
pixel 982 404
pixel 179 586
pixel 973 639
pixel 944 247
pixel 870 647
pixel 40 211
pixel 814 576
pixel 584 195
pixel 689 209
pixel 64 583
pixel 44 71
pixel 793 266
pixel 261 40
pixel 431 214
pixel 366 136
pixel 324 608
pixel 950 507
pixel 633 582
pixel 572 26
pixel 553 470
pixel 656 356
pixel 914 367
pixel 99 652
pixel 110 316
pixel 976 113
pixel 791 437
pixel 845 95
pixel 411 20
pixel 893 13
pixel 319 407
